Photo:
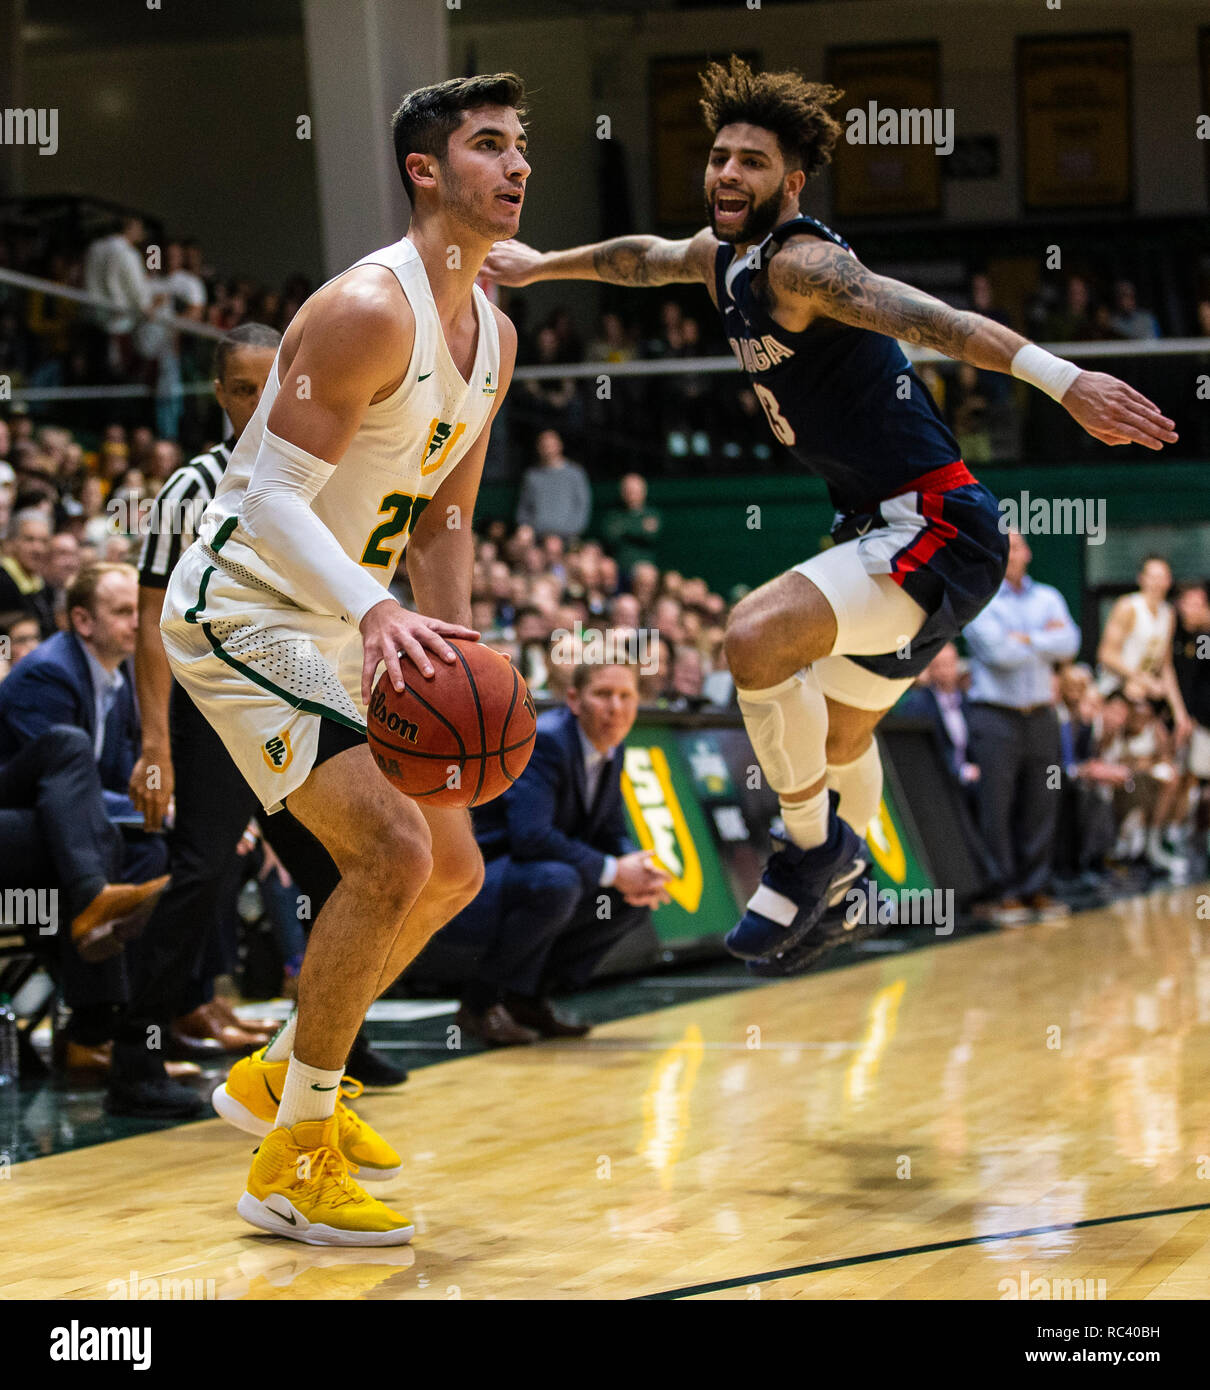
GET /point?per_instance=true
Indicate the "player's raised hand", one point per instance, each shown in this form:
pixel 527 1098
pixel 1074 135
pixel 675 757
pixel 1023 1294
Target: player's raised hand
pixel 512 263
pixel 391 634
pixel 1116 413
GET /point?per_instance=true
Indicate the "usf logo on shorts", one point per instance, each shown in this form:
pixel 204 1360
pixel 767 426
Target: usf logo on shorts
pixel 277 752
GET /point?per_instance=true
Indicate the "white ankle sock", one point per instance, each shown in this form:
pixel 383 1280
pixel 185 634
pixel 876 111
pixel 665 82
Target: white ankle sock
pixel 859 784
pixel 309 1093
pixel 281 1044
pixel 806 822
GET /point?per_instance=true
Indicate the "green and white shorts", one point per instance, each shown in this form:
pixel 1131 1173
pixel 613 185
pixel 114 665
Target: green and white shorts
pixel 262 670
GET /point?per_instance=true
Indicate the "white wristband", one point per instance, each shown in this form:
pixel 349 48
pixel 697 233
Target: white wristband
pixel 1044 370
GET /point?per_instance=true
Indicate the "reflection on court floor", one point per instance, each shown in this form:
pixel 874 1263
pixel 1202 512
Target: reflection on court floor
pixel 1016 1115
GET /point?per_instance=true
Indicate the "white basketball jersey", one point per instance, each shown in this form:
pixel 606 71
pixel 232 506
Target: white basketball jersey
pixel 1147 643
pixel 404 448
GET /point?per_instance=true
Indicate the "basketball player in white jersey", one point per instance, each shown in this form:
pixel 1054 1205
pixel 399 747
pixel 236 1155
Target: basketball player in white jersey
pixel 1135 656
pixel 370 436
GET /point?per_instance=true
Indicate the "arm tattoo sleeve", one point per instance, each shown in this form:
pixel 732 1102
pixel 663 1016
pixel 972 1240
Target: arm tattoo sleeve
pixel 845 290
pixel 640 260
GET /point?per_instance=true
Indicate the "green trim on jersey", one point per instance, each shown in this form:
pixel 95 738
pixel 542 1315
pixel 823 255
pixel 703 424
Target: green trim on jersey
pixel 191 615
pixel 223 534
pixel 307 706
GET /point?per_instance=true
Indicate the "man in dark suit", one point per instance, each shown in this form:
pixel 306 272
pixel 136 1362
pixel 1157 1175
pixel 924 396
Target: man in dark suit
pixel 939 698
pixel 563 882
pixel 67 702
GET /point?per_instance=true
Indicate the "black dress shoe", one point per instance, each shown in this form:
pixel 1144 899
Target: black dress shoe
pixel 495 1026
pixel 372 1068
pixel 540 1014
pixel 157 1098
pixel 182 1048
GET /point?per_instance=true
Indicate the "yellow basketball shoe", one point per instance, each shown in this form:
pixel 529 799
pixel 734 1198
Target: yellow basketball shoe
pixel 300 1186
pixel 249 1098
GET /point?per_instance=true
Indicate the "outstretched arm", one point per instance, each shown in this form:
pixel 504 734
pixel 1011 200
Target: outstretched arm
pixel 625 260
pixel 827 281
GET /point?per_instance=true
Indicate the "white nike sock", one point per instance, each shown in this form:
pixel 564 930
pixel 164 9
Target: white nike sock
pixel 281 1044
pixel 309 1093
pixel 859 784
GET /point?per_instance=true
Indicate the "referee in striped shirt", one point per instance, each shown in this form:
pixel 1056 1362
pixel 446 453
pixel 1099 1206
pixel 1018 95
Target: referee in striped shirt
pixel 213 802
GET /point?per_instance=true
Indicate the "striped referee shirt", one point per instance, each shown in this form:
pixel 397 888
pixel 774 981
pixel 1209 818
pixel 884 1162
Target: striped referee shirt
pixel 175 514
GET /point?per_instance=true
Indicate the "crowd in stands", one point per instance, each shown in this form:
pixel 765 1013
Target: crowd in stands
pixel 1127 744
pixel 685 422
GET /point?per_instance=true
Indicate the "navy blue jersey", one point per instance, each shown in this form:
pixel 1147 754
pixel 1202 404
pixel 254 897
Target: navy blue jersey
pixel 845 401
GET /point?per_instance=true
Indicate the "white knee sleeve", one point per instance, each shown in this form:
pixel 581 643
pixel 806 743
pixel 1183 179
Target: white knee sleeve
pixel 788 726
pixel 860 786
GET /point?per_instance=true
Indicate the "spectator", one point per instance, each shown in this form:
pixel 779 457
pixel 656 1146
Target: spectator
pixel 555 496
pixel 114 270
pixel 1085 832
pixel 62 565
pixel 1135 652
pixel 1073 323
pixel 563 882
pixel 1136 657
pixel 21 636
pixel 632 531
pixel 939 697
pixel 1191 663
pixel 1014 732
pixel 644 583
pixel 21 583
pixel 550 403
pixel 612 343
pixel 81 678
pixel 1127 320
pixel 686 683
pixel 968 415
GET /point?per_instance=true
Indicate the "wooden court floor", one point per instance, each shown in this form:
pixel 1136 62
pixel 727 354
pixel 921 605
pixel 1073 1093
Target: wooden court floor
pixel 960 1123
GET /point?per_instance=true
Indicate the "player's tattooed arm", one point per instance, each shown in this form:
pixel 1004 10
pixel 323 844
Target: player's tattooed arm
pixel 627 260
pixel 833 283
pixel 818 279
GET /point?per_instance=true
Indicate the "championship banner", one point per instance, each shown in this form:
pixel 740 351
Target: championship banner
pixel 878 167
pixel 1074 98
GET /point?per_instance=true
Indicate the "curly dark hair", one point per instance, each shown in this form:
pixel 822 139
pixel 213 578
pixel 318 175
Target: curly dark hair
pixel 426 118
pixel 794 109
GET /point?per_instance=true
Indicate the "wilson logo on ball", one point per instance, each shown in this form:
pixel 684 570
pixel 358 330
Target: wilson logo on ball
pixel 392 722
pixel 459 737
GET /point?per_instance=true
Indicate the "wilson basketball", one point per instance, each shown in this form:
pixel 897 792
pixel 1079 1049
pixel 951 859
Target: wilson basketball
pixel 460 739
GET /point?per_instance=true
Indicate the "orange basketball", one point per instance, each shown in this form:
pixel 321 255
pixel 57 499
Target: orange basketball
pixel 459 739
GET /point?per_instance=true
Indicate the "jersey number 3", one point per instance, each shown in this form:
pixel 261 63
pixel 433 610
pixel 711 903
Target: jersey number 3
pixel 778 423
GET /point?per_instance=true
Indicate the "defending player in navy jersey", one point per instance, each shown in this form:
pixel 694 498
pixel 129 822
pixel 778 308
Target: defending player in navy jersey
pixel 821 653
